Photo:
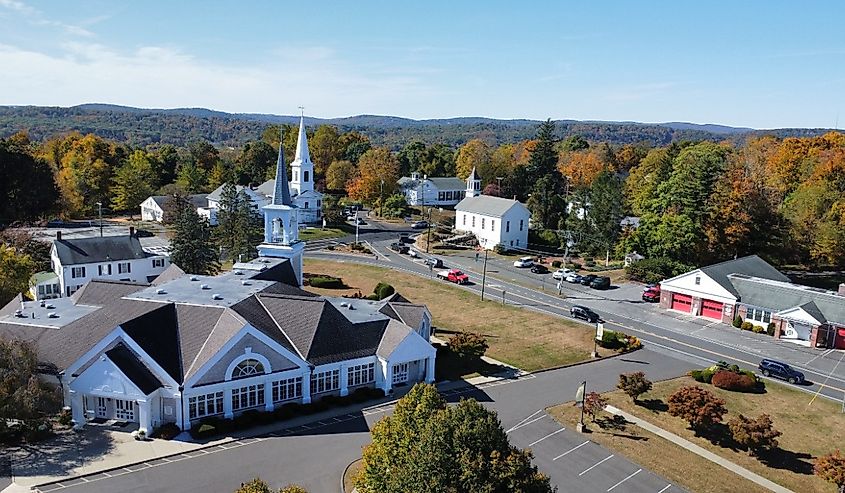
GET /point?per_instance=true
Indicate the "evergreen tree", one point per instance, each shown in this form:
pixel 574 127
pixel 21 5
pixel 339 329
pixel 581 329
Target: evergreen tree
pixel 193 248
pixel 606 209
pixel 133 182
pixel 544 156
pixel 239 225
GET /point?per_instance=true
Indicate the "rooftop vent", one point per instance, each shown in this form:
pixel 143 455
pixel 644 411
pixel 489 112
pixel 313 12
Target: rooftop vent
pixel 50 306
pixel 204 286
pixel 195 278
pixel 344 304
pixel 53 315
pixel 216 296
pixel 245 283
pixel 160 291
pixel 351 307
pixel 19 314
pixel 238 273
pixel 43 303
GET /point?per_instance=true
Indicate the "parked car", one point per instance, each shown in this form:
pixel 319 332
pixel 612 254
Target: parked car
pixel 524 262
pixel 573 277
pixel 561 273
pixel 453 275
pixel 601 282
pixel 405 238
pixel 652 294
pixel 419 225
pixel 586 280
pixel 584 313
pixel 772 368
pixel 413 253
pixel 539 269
pixel 399 247
pixel 434 262
pixel 360 222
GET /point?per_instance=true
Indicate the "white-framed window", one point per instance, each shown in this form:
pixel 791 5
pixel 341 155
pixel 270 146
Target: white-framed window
pixel 482 223
pixel 124 267
pixel 306 205
pixel 465 219
pixel 325 381
pixel 205 405
pixel 473 221
pixel 287 389
pixel 305 178
pixel 77 272
pixel 441 196
pixel 248 396
pixel 361 374
pixel 104 269
pixel 247 368
pixel 697 280
pixel 158 262
pixel 400 373
pixel 759 315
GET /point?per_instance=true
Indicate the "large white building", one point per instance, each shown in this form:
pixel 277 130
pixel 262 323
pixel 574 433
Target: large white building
pixel 436 192
pixel 189 347
pixel 493 220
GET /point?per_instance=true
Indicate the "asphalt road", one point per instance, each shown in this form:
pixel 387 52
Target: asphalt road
pixel 316 458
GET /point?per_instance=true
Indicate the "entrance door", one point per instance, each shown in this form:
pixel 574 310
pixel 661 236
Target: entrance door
pixel 681 302
pixel 124 410
pixel 102 407
pixel 840 340
pixel 711 309
pixel 400 373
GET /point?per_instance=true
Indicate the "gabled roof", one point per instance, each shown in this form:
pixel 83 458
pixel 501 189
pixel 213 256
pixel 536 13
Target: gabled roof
pixel 779 296
pixel 102 291
pixel 133 368
pixel 409 313
pixel 196 200
pixel 172 272
pixel 488 205
pixel 751 265
pixel 98 249
pixel 217 194
pixel 449 183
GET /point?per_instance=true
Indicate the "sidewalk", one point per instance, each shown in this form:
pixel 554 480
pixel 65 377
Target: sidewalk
pixel 682 442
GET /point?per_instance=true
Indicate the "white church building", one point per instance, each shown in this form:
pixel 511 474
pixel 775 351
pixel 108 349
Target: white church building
pixel 493 220
pixel 187 347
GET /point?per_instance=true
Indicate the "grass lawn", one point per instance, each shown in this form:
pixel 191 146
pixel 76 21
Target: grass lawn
pixel 321 234
pixel 808 432
pixel 519 337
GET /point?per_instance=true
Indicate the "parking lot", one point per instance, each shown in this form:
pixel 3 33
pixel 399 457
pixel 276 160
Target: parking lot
pixel 579 465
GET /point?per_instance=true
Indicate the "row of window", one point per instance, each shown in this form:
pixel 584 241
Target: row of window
pixel 244 397
pixel 449 195
pixel 325 381
pixel 361 374
pixel 492 223
pixel 759 315
pixel 106 269
pixel 304 175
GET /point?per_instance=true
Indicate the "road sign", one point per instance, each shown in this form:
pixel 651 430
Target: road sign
pixel 579 394
pixel 599 331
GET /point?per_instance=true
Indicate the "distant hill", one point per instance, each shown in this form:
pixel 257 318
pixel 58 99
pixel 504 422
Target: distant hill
pixel 178 126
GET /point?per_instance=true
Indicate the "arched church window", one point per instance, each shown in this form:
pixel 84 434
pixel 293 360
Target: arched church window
pixel 247 368
pixel 305 176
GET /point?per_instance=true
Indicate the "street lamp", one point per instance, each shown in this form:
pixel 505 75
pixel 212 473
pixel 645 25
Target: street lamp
pixel 100 213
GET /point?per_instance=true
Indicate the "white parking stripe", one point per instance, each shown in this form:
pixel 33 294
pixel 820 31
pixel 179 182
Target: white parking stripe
pixel 597 464
pixel 666 488
pixel 524 420
pixel 538 418
pixel 573 449
pixel 626 479
pixel 535 442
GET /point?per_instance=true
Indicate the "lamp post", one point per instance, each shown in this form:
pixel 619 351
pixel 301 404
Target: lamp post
pixel 599 334
pixel 381 199
pixel 484 275
pixel 428 234
pixel 100 213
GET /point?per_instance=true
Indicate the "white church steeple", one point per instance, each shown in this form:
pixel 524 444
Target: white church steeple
pixel 473 185
pixel 302 167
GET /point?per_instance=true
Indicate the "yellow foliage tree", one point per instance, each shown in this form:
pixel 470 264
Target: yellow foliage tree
pixel 378 171
pixel 474 154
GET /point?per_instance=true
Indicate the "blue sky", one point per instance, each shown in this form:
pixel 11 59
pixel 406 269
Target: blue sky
pixel 744 63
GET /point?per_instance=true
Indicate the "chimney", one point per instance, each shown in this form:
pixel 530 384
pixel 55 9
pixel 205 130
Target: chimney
pixel 841 289
pixel 131 230
pixel 59 237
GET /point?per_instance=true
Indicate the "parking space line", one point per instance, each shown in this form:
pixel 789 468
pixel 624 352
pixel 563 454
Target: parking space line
pixel 573 449
pixel 535 442
pixel 524 420
pixel 666 488
pixel 626 479
pixel 597 464
pixel 538 418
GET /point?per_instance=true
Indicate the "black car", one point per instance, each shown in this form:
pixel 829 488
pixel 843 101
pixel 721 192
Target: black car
pixel 584 313
pixel 586 280
pixel 399 247
pixel 539 269
pixel 600 283
pixel 404 238
pixel 772 368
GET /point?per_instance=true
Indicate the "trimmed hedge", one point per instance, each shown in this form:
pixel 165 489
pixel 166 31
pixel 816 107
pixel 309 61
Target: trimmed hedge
pixel 383 290
pixel 747 326
pixel 326 282
pixel 556 264
pixel 770 329
pixel 739 382
pixel 167 431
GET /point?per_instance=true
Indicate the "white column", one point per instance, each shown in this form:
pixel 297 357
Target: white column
pixel 145 423
pixel 268 395
pixel 268 228
pixel 344 381
pixel 306 387
pixel 227 404
pixel 180 413
pixel 387 371
pixel 77 409
pixel 429 372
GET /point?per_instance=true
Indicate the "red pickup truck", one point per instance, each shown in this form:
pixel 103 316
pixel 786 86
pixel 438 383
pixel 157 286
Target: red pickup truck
pixel 453 275
pixel 652 293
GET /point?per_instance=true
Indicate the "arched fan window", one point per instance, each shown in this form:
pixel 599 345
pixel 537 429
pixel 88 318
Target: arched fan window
pixel 247 368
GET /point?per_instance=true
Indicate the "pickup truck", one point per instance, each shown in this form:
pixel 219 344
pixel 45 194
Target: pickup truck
pixel 453 275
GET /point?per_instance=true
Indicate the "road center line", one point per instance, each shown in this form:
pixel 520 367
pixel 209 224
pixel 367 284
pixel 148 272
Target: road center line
pixel 626 479
pixel 573 449
pixel 535 442
pixel 597 464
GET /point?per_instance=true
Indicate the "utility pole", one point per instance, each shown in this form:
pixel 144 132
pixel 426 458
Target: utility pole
pixel 484 276
pixel 356 226
pixel 100 213
pixel 428 239
pixel 381 199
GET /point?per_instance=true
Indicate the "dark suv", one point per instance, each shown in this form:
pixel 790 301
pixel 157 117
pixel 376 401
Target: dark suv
pixel 584 313
pixel 772 368
pixel 586 280
pixel 601 282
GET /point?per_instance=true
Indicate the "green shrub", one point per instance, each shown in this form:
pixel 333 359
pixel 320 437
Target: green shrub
pixel 707 375
pixel 697 375
pixel 758 330
pixel 770 329
pixel 326 282
pixel 590 263
pixel 747 326
pixel 613 340
pixel 556 264
pixel 737 321
pixel 167 431
pixel 383 290
pixel 738 382
pixel 653 270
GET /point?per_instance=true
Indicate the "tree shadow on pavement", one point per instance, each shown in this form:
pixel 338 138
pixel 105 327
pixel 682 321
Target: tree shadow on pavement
pixel 62 453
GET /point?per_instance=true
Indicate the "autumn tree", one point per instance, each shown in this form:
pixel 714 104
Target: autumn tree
pixel 474 154
pixel 581 168
pixel 23 395
pixel 641 184
pixel 133 183
pixel 427 447
pixel 757 435
pixel 27 188
pixel 340 174
pixel 698 407
pixel 378 172
pixel 594 404
pixel 353 145
pixel 164 160
pixel 257 159
pixel 191 177
pixel 634 384
pixel 325 148
pixel 192 247
pixel 468 345
pixel 831 468
pixel 16 269
pixel 84 173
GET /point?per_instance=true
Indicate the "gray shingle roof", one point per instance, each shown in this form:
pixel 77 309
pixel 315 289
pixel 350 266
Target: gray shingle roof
pixel 751 265
pixel 409 313
pixel 487 205
pixel 778 296
pixel 394 334
pixel 197 200
pixel 450 183
pixel 133 368
pixel 98 249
